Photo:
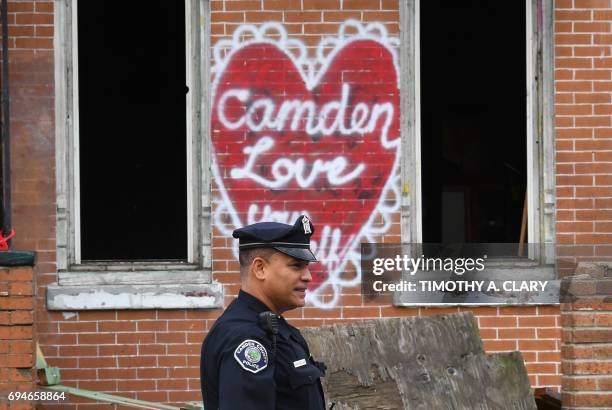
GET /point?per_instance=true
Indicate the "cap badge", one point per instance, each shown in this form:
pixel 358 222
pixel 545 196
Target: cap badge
pixel 306 225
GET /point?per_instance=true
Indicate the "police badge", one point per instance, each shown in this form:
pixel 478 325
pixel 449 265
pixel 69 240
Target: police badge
pixel 252 356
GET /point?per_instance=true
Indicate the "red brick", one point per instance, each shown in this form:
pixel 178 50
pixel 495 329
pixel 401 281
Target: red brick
pixel 99 385
pixel 359 312
pixel 563 27
pixel 22 317
pixel 44 31
pixel 603 156
pixel 136 385
pixel 593 121
pixel 152 373
pixel 583 203
pixel 302 16
pixel 594 215
pixel 592 27
pixel 573 180
pixel 549 357
pixel 499 345
pixel 174 337
pixel 135 338
pixel 552 333
pixel 114 373
pixel 570 109
pixel 549 380
pixel 38 18
pixel 495 322
pixel 170 384
pixel 381 16
pixel 119 326
pixel 96 362
pixel 541 368
pixel 20 346
pixel 594 98
pixel 593 74
pixel 602 15
pixel 310 312
pixel 321 4
pixel 78 327
pixel 591 4
pixel 602 86
pixel 603 109
pixel 517 310
pixel 155 349
pixel 282 5
pixel 78 351
pixel 19 360
pixel 184 349
pixel 137 361
pixel 340 16
pixel 16 332
pixel 580 367
pixel 567 62
pixel 574 157
pixel 235 17
pixel 572 15
pixel 44 7
pixel 21 288
pixel 118 350
pixel 96 338
pixel 186 325
pixel 16 274
pixel 172 361
pixel 572 39
pixel 603 179
pixel 516 333
pixel 537 345
pixel 241 5
pixel 262 17
pixel 21 31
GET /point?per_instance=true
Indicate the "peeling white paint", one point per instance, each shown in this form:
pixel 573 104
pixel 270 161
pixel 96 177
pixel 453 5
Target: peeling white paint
pixel 154 297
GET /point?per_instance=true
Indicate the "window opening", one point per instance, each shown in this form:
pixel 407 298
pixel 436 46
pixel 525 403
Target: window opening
pixel 473 121
pixel 132 131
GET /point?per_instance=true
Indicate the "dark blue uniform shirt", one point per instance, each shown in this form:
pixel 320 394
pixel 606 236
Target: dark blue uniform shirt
pixel 239 370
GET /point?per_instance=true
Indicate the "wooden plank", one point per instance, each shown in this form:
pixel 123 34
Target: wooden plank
pixel 435 362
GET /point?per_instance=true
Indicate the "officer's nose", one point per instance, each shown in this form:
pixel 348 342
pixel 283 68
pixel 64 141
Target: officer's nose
pixel 306 276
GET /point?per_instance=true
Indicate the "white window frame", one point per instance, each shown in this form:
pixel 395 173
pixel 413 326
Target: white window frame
pixel 540 138
pixel 197 269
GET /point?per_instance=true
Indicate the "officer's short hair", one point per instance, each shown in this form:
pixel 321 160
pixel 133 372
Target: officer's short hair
pixel 246 257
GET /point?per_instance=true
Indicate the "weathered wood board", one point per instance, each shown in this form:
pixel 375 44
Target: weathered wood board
pixel 428 363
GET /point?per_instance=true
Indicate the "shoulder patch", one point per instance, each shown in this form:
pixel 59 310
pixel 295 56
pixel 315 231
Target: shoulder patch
pixel 252 356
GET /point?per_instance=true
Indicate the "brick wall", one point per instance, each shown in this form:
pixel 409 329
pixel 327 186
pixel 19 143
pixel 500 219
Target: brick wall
pixel 17 346
pixel 583 71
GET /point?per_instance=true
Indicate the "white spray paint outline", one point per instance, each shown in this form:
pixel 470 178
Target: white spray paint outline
pixel 248 34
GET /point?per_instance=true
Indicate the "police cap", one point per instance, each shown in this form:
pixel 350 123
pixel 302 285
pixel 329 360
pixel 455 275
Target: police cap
pixel 292 240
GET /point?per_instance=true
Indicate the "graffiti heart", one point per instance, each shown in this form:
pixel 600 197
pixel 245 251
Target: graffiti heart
pixel 293 134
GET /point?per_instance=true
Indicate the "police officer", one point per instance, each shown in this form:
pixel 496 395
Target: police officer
pixel 252 359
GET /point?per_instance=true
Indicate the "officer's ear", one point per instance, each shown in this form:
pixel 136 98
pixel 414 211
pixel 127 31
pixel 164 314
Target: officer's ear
pixel 258 267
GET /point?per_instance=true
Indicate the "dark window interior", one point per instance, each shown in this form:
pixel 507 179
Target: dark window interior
pixel 132 130
pixel 473 120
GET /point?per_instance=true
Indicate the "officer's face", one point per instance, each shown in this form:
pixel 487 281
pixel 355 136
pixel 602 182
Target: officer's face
pixel 286 281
